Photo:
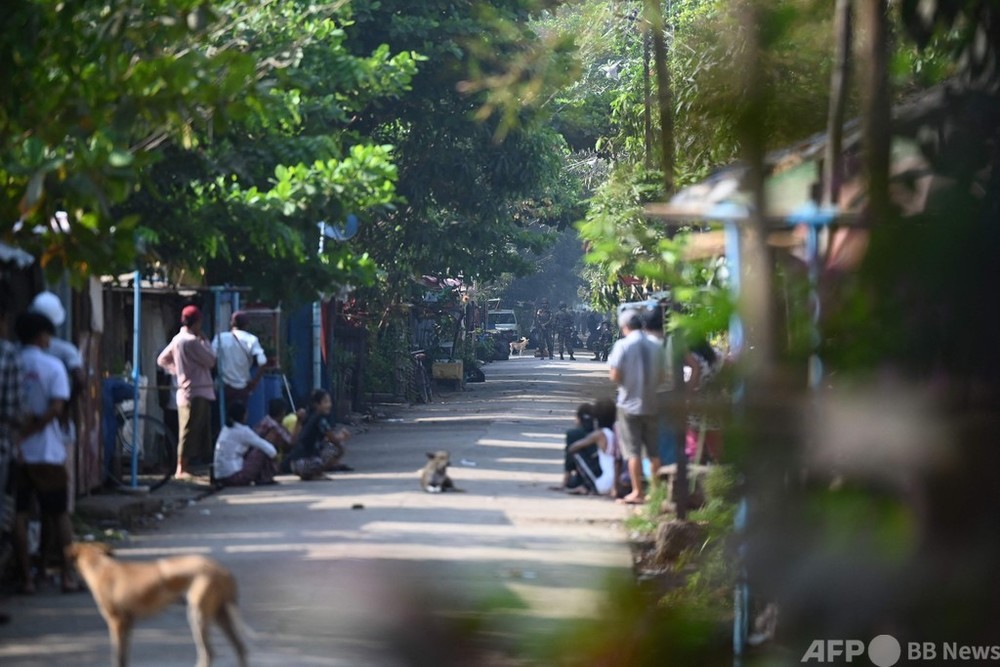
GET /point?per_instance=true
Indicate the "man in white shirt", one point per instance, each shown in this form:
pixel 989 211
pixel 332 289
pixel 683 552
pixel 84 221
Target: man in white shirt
pixel 42 452
pixel 242 457
pixel 49 305
pixel 636 365
pixel 237 350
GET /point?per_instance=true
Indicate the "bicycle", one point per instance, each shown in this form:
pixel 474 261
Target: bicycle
pixel 157 451
pixel 421 378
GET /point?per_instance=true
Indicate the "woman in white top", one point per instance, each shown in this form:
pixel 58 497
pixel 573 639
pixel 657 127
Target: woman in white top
pixel 242 457
pixel 598 478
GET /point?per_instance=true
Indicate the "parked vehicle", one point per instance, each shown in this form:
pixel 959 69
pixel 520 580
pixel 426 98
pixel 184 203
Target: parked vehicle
pixel 503 321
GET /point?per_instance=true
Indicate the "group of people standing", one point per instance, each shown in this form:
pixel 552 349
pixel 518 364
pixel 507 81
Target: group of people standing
pixel 551 328
pixel 41 375
pixel 307 445
pixel 605 450
pixel 39 379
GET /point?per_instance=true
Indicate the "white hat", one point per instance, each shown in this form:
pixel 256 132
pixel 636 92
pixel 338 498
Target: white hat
pixel 48 304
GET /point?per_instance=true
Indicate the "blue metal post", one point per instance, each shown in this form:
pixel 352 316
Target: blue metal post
pixel 317 343
pixel 220 386
pixel 730 214
pixel 814 218
pixel 136 328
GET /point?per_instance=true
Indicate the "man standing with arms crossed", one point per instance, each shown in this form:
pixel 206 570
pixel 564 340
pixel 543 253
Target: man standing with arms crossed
pixel 636 366
pixel 190 357
pixel 42 476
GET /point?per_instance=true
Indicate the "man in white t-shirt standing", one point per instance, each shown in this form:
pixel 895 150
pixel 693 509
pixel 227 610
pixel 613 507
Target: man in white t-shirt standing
pixel 41 455
pixel 635 364
pixel 49 305
pixel 237 350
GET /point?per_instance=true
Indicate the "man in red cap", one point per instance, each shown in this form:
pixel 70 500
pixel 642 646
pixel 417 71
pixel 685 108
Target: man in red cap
pixel 189 357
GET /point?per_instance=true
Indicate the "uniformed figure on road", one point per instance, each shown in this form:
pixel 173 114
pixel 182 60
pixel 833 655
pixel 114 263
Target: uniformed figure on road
pixel 543 325
pixel 563 324
pixel 603 344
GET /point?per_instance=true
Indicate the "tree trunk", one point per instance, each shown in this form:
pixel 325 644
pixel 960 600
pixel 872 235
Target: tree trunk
pixel 876 114
pixel 665 98
pixel 647 118
pixel 757 303
pixel 833 160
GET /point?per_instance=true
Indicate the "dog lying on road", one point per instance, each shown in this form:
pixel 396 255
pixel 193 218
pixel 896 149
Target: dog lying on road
pixel 126 591
pixel 518 346
pixel 434 476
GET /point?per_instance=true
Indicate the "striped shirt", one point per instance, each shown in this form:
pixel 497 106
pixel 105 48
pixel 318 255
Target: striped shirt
pixel 11 394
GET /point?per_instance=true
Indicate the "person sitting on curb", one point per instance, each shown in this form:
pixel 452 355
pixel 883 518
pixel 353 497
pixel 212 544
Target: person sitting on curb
pixel 596 474
pixel 581 429
pixel 320 446
pixel 272 428
pixel 242 457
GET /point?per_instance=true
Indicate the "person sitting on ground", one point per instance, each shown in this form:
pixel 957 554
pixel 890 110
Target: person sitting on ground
pixel 272 428
pixel 293 421
pixel 596 474
pixel 242 457
pixel 320 446
pixel 584 425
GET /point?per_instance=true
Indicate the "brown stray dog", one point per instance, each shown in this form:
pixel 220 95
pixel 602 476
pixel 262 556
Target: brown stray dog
pixel 126 591
pixel 434 476
pixel 518 346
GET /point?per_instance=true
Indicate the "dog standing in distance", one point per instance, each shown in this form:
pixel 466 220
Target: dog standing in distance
pixel 434 476
pixel 127 591
pixel 518 346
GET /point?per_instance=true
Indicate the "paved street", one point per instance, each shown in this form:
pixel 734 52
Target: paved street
pixel 345 572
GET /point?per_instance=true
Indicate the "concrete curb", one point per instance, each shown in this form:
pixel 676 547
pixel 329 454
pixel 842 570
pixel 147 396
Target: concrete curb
pixel 126 511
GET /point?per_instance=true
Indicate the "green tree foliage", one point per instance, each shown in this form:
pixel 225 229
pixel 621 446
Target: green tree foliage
pixel 204 137
pixel 474 193
pixel 964 34
pixel 706 42
pixel 244 205
pixel 98 88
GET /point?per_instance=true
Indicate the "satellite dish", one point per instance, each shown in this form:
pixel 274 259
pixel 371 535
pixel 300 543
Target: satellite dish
pixel 342 232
